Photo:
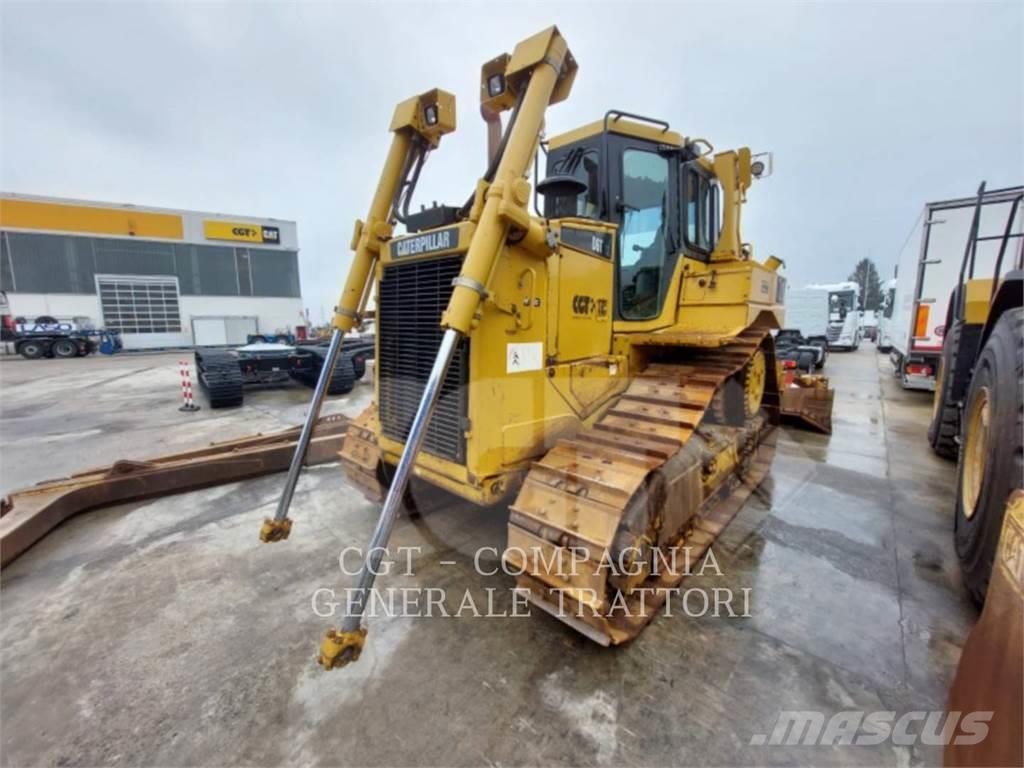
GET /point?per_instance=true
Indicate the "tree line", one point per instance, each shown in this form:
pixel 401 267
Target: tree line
pixel 866 276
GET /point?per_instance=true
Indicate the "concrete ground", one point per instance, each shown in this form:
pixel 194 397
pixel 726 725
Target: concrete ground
pixel 163 633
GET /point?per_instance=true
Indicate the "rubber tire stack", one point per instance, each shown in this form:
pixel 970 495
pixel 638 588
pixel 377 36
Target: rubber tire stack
pixel 220 378
pixel 1000 369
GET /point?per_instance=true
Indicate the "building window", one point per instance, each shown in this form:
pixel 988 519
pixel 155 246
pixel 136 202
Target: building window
pixel 274 273
pixel 244 269
pixel 38 263
pixel 139 304
pixel 42 263
pixel 133 257
pixel 6 267
pixel 206 270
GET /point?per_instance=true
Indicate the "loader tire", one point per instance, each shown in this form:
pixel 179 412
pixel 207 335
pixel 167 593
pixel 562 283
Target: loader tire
pixel 220 378
pixel 944 428
pixel 992 451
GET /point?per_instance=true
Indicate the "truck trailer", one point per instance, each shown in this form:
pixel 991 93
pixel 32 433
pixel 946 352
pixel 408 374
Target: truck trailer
pixel 928 274
pixel 807 311
pixel 883 339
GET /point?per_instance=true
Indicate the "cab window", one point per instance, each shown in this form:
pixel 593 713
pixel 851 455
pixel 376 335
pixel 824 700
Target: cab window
pixel 702 213
pixel 644 233
pixel 580 163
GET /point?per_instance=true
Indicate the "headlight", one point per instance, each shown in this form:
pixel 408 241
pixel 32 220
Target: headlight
pixel 495 85
pixel 430 114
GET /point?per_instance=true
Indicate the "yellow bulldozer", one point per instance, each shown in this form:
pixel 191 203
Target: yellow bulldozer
pixel 605 363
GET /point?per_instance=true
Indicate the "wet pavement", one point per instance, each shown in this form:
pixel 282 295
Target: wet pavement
pixel 163 633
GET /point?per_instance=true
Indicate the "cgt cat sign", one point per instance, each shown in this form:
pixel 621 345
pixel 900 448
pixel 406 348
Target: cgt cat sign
pixel 241 232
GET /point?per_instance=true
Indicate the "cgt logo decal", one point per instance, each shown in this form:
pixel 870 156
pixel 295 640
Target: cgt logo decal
pixel 584 306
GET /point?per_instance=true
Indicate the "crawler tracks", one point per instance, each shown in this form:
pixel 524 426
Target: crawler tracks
pixel 220 378
pixel 608 522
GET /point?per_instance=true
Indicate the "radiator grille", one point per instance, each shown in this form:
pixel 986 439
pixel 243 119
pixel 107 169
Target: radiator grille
pixel 410 300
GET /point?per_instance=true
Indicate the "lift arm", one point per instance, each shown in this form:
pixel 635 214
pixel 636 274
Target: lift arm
pixel 418 124
pixel 426 117
pixel 540 72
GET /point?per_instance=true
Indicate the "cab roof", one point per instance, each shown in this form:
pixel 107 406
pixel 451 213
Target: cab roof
pixel 619 125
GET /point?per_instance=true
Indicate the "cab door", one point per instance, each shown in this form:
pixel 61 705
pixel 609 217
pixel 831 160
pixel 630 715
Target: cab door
pixel 584 285
pixel 581 366
pixel 645 209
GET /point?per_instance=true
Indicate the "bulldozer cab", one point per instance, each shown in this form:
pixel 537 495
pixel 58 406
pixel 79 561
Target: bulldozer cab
pixel 657 191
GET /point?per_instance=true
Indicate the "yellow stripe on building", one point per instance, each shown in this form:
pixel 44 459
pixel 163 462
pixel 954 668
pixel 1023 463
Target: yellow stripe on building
pixel 84 219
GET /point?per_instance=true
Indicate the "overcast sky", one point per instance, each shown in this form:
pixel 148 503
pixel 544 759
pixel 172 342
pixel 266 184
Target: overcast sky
pixel 282 110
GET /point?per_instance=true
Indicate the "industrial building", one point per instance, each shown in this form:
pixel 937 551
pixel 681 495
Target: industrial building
pixel 160 277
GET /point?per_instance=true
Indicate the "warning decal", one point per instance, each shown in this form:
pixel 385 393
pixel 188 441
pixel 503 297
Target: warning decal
pixel 524 357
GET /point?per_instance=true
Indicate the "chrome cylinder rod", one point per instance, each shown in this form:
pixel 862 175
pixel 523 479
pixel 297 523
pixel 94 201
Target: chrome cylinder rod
pixel 307 427
pixel 449 343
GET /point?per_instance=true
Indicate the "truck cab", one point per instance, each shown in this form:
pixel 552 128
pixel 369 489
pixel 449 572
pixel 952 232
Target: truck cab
pixel 885 325
pixel 844 315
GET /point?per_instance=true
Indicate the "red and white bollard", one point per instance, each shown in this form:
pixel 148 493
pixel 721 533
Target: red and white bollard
pixel 186 389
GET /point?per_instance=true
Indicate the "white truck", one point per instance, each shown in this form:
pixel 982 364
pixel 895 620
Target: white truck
pixel 869 324
pixel 929 270
pixel 844 312
pixel 883 339
pixel 804 340
pixel 807 311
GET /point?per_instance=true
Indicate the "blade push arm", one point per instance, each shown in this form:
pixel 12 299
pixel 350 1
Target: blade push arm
pixel 418 124
pixel 543 66
pixel 540 72
pixel 423 118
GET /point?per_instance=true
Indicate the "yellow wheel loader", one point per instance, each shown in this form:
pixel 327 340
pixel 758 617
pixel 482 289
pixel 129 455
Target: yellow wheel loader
pixel 978 411
pixel 605 362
